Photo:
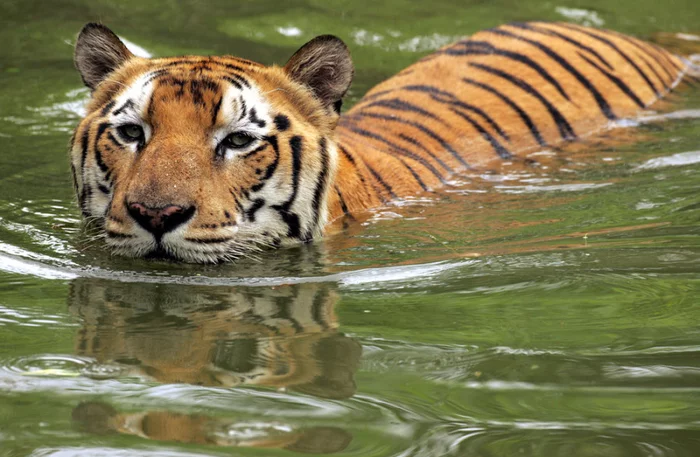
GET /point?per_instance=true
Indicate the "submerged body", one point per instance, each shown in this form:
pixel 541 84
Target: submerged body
pixel 207 158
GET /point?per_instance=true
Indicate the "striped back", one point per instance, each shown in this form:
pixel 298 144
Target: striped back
pixel 496 96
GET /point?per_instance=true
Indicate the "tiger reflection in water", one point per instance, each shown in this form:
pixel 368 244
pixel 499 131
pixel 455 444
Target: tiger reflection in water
pixel 282 337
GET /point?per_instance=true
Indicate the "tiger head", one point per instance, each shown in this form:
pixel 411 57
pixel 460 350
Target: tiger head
pixel 205 159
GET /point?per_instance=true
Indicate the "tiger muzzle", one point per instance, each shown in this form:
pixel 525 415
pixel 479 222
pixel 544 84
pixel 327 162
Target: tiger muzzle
pixel 161 220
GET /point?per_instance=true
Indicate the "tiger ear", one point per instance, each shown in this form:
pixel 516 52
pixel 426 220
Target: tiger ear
pixel 98 52
pixel 324 65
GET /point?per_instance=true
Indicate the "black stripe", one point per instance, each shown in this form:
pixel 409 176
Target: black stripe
pixel 523 115
pixel 230 66
pixel 498 147
pixel 614 47
pixel 215 111
pixel 343 205
pixel 546 31
pixel 421 146
pixel 87 190
pixel 351 159
pixel 181 61
pixel 394 148
pixel 233 82
pixel 654 56
pixel 321 184
pixel 84 193
pixel 84 148
pixel 269 171
pixel 293 224
pixel 415 175
pixel 281 122
pixel 402 105
pixel 291 219
pixel 237 80
pixel 374 96
pixel 189 61
pixel 372 184
pixel 650 66
pixel 125 106
pixel 563 125
pixel 253 116
pixel 428 132
pixel 408 167
pixel 618 82
pixel 107 108
pixel 665 55
pixel 151 110
pixel 414 142
pixel 347 155
pixel 358 173
pixel 381 181
pixel 209 240
pixel 103 189
pixel 98 156
pixel 260 148
pixel 154 75
pixel 484 48
pixel 113 139
pixel 75 178
pixel 85 198
pixel 600 100
pixel 445 97
pixel 237 204
pixel 112 234
pixel 250 212
pixel 196 92
pixel 244 108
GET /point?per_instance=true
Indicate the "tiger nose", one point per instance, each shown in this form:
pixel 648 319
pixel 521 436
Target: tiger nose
pixel 162 220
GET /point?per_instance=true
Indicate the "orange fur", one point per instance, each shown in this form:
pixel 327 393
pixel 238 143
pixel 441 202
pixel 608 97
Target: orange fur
pixel 388 156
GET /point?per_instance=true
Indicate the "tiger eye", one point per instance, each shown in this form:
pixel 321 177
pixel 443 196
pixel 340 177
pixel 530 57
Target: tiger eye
pixel 238 140
pixel 131 132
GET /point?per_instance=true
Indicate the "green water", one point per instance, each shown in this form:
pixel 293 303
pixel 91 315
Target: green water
pixel 550 312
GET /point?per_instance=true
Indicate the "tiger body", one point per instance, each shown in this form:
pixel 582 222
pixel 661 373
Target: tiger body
pixel 290 163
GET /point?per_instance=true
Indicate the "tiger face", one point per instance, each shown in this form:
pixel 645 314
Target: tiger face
pixel 205 159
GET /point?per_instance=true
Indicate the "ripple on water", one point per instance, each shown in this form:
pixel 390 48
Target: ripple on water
pixel 61 366
pixel 551 439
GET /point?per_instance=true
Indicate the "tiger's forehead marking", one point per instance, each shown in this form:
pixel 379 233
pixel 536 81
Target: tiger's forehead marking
pixel 237 99
pixel 134 100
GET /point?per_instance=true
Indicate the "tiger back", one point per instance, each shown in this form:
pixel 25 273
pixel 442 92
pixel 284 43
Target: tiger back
pixel 493 97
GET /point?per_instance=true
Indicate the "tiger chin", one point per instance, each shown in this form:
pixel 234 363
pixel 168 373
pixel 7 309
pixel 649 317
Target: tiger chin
pixel 208 159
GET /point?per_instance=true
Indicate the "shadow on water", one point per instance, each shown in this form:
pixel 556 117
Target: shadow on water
pixel 283 337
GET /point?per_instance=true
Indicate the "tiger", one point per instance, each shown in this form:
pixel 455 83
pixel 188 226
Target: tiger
pixel 207 159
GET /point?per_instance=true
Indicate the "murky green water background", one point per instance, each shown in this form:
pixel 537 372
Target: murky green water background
pixel 551 312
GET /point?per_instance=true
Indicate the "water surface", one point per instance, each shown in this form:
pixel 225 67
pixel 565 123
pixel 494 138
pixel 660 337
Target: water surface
pixel 549 311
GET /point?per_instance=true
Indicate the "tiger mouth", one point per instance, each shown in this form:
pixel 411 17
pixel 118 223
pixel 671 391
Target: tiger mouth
pixel 205 248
